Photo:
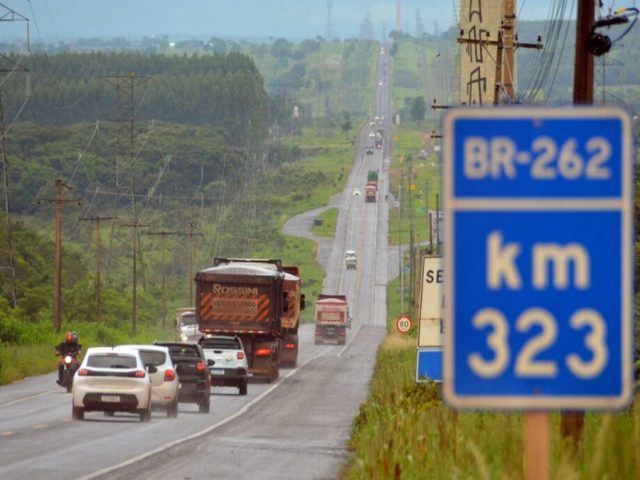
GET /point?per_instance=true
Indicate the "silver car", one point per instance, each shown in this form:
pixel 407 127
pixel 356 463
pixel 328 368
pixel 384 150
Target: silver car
pixel 112 379
pixel 164 382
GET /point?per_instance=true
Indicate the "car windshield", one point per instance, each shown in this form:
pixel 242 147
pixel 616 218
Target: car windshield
pixel 153 357
pixel 112 360
pixel 188 320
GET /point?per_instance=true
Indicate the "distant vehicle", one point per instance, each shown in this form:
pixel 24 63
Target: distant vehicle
pixel 331 318
pixel 350 259
pixel 112 379
pixel 372 134
pixel 164 382
pixel 371 189
pixel 381 50
pixel 369 151
pixel 186 325
pixel 231 367
pixel 380 84
pixel 193 373
pixel 356 192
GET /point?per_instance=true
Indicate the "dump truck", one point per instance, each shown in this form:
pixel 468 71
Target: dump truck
pixel 332 318
pixel 370 192
pixel 245 297
pixel 291 317
pixel 371 189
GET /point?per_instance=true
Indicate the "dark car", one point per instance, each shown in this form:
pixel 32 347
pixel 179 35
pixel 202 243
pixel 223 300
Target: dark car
pixel 193 372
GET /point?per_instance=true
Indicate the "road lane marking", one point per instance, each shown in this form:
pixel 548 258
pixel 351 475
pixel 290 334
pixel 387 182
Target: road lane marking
pixel 19 400
pixel 193 436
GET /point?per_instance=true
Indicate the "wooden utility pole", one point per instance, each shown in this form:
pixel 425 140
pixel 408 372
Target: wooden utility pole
pixel 57 278
pixel 163 234
pixel 509 46
pixel 583 69
pixel 572 423
pixel 134 296
pixel 97 221
pixel 190 234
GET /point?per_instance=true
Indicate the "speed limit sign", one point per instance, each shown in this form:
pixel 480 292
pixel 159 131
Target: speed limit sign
pixel 403 324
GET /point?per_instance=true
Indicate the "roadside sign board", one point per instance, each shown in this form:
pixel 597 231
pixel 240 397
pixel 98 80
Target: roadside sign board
pixel 430 326
pixel 429 364
pixel 403 324
pixel 539 258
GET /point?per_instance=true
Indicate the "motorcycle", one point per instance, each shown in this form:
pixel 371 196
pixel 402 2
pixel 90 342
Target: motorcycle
pixel 70 365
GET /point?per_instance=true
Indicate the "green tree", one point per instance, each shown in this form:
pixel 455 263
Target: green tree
pixel 418 109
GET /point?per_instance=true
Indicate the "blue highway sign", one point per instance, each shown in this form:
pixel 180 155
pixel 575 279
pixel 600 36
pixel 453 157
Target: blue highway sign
pixel 429 364
pixel 539 258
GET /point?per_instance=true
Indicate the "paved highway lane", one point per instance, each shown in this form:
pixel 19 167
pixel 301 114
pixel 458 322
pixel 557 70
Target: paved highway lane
pixel 296 428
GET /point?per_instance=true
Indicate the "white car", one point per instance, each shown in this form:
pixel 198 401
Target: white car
pixel 230 367
pixel 112 379
pixel 164 382
pixel 356 191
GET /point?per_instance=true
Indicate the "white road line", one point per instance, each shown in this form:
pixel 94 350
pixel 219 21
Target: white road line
pixel 193 436
pixel 19 400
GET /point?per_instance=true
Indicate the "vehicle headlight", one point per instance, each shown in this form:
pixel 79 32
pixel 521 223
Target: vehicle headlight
pixel 68 359
pixel 184 338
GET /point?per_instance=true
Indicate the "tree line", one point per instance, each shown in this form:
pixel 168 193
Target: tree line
pixel 217 90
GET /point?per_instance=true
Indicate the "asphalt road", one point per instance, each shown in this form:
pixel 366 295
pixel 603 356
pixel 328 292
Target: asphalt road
pixel 296 428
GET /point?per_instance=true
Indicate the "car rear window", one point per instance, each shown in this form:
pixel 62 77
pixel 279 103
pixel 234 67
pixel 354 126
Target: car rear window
pixel 183 351
pixel 112 360
pixel 153 357
pixel 188 319
pixel 223 343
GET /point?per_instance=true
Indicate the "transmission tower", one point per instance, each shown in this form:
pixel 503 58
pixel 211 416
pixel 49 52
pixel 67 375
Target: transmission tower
pixel 9 15
pixel 125 131
pixel 398 16
pixel 329 20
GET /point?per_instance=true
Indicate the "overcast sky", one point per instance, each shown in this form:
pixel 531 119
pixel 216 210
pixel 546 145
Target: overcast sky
pixel 52 20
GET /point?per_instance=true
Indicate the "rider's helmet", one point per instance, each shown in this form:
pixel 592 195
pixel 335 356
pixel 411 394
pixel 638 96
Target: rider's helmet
pixel 71 337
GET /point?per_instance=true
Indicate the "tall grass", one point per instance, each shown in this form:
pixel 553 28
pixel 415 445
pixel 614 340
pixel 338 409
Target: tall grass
pixel 405 431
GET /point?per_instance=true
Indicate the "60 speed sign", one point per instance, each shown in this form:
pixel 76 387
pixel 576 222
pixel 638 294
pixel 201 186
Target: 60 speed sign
pixel 403 324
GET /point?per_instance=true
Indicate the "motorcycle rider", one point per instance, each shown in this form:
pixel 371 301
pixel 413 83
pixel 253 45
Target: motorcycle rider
pixel 70 346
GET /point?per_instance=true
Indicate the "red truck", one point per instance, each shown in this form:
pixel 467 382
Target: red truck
pixel 371 189
pixel 291 317
pixel 332 318
pixel 245 297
